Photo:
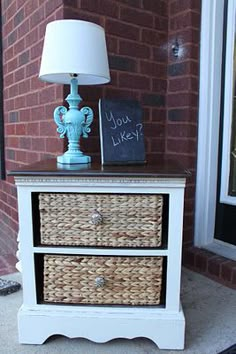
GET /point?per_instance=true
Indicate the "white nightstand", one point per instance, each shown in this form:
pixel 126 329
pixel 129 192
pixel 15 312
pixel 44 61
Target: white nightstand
pixel 100 250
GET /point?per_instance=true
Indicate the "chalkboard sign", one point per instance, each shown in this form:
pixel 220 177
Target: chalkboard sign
pixel 121 132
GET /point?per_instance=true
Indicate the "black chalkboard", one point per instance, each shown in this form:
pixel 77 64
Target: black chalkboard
pixel 121 132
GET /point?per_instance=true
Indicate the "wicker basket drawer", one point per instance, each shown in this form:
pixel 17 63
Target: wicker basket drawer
pixel 102 280
pixel 112 220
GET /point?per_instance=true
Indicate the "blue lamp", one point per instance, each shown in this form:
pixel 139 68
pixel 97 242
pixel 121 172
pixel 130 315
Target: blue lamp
pixel 74 53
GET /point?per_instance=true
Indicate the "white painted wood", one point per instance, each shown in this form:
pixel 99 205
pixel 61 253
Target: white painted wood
pixel 117 182
pixel 228 105
pixel 36 322
pixel 26 245
pixel 102 251
pixel 166 330
pixel 18 264
pixel 209 117
pixel 176 206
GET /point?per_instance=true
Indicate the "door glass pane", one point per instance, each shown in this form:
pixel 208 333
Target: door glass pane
pixel 225 220
pixel 232 175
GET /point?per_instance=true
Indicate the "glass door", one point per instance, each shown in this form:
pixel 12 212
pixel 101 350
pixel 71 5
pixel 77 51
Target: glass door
pixel 225 225
pixel 232 168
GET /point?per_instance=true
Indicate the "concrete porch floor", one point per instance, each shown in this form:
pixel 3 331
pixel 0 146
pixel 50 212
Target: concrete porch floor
pixel 210 311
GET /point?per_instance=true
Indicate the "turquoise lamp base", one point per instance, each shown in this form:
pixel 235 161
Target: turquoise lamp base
pixel 72 160
pixel 74 124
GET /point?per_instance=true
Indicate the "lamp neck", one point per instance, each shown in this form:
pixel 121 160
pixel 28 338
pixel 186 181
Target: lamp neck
pixel 73 98
pixel 74 87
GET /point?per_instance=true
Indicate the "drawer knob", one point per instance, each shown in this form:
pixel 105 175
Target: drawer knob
pixel 100 282
pixel 96 218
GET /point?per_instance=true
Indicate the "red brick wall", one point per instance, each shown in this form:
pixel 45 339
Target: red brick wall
pixel 28 103
pixel 136 33
pixel 182 96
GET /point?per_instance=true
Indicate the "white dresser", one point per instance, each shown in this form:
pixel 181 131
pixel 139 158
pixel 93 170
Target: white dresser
pixel 100 252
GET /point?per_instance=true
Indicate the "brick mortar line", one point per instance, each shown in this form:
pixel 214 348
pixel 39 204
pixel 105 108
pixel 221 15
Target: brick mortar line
pixel 186 11
pixel 183 107
pixel 10 207
pixel 89 12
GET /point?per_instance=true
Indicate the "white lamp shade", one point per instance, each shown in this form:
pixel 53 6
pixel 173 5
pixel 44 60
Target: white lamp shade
pixel 74 47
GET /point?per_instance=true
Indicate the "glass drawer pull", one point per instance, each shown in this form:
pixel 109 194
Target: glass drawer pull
pixel 100 282
pixel 96 218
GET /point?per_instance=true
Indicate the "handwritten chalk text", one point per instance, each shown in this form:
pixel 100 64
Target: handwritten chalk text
pixel 123 137
pixel 117 122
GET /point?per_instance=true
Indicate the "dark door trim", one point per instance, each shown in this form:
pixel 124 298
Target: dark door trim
pixel 2 147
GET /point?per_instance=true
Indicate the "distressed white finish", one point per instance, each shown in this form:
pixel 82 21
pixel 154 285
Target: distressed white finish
pixel 103 182
pixel 164 329
pixel 165 325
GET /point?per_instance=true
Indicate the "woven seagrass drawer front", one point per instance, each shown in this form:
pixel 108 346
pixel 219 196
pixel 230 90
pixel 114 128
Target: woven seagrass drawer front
pixel 113 220
pixel 102 280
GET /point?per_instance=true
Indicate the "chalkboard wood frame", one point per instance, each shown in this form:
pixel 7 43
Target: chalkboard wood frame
pixel 121 132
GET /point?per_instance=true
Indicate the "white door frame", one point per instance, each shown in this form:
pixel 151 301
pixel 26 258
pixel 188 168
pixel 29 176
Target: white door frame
pixel 228 105
pixel 208 127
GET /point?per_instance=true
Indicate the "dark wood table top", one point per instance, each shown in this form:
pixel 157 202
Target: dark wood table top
pixel 162 168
